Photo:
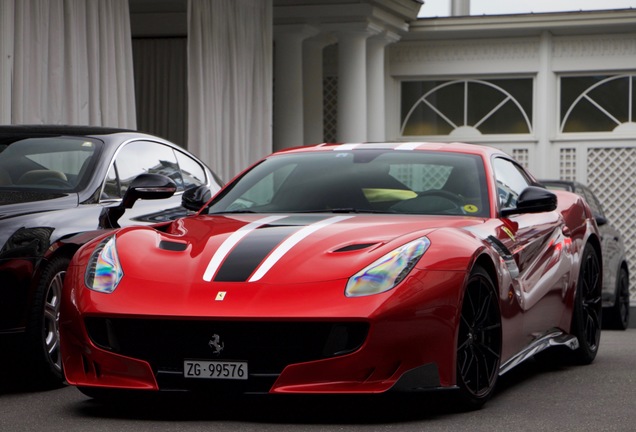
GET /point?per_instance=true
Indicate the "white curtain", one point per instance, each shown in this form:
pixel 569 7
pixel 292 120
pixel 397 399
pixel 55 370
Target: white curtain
pixel 71 62
pixel 229 82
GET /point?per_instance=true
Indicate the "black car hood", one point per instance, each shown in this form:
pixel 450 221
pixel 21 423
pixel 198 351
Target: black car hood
pixel 16 203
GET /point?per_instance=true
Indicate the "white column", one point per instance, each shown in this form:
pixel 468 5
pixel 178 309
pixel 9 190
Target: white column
pixel 460 7
pixel 352 85
pixel 547 162
pixel 6 59
pixel 288 84
pixel 376 101
pixel 313 87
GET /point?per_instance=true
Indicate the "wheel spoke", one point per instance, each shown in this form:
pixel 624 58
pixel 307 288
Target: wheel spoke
pixel 479 341
pixel 591 302
pixel 51 319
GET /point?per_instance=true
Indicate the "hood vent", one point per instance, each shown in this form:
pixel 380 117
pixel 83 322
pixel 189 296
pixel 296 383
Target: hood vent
pixel 355 247
pixel 172 246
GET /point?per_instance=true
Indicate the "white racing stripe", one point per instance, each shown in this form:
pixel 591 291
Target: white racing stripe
pixel 346 147
pixel 408 146
pixel 290 242
pixel 231 241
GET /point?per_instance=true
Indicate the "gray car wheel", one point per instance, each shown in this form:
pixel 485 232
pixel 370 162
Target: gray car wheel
pixel 617 316
pixel 43 327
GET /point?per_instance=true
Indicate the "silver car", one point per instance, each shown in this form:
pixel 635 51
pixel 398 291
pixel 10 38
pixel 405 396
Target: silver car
pixel 615 269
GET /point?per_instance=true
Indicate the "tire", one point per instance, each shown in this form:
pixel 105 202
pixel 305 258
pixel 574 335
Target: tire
pixel 43 336
pixel 478 341
pixel 586 314
pixel 617 316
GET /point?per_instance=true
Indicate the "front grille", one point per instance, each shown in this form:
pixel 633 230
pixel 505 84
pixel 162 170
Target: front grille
pixel 267 346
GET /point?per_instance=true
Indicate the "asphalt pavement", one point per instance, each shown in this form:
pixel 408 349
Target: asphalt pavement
pixel 533 397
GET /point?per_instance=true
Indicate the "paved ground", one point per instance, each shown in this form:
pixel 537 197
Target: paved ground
pixel 533 397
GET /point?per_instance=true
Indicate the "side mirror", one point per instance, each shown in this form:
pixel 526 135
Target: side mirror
pixel 195 197
pixel 144 186
pixel 148 186
pixel 600 220
pixel 533 199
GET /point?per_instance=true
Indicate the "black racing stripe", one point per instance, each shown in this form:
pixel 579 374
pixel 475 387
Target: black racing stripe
pixel 246 256
pixel 251 251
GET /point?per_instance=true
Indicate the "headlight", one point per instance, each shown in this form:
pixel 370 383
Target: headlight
pixel 104 272
pixel 388 271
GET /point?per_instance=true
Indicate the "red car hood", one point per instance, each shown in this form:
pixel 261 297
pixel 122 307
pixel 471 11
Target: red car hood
pixel 270 249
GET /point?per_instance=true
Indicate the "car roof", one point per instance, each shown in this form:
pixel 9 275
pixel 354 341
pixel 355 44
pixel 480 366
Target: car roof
pixel 570 185
pixel 31 130
pixel 454 147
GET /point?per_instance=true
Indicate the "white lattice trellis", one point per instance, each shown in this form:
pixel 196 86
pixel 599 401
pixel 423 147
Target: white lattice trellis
pixel 330 108
pixel 611 173
pixel 567 164
pixel 521 155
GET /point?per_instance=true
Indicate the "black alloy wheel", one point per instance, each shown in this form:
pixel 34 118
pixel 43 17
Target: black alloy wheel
pixel 478 341
pixel 617 316
pixel 586 316
pixel 43 329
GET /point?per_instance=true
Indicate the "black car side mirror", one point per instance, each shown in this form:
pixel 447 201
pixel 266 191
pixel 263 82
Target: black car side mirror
pixel 144 186
pixel 532 199
pixel 600 220
pixel 148 186
pixel 195 197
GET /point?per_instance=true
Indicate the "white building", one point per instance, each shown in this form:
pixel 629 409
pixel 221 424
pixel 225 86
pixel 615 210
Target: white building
pixel 234 79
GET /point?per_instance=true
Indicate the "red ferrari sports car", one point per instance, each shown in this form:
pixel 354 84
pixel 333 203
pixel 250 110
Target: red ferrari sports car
pixel 350 268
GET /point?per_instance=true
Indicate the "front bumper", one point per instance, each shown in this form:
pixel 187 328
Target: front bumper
pixel 409 344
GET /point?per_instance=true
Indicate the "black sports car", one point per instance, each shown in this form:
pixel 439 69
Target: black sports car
pixel 60 186
pixel 615 269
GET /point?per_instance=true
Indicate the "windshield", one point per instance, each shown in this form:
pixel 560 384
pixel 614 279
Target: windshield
pixel 364 181
pixel 46 163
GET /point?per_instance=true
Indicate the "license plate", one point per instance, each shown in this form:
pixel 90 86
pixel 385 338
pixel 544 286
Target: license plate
pixel 207 369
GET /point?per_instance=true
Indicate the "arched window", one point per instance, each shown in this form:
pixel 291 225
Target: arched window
pixel 467 107
pixel 599 103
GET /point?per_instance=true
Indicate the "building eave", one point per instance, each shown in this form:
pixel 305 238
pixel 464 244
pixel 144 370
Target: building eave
pixel 561 23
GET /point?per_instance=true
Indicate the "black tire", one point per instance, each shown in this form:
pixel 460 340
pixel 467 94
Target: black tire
pixel 586 314
pixel 617 316
pixel 478 341
pixel 43 336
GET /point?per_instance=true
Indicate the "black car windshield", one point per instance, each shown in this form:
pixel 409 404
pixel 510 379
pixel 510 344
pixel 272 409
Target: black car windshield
pixel 361 181
pixel 46 163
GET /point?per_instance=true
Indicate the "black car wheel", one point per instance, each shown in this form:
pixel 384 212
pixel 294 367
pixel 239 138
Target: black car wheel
pixel 43 328
pixel 617 316
pixel 478 341
pixel 586 316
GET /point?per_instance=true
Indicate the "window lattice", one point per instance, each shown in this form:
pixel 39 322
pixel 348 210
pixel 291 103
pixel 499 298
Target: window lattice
pixel 330 108
pixel 466 107
pixel 567 164
pixel 598 103
pixel 425 178
pixel 521 155
pixel 611 174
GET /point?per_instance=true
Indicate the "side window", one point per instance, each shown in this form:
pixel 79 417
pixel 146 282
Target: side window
pixel 511 181
pixel 592 201
pixel 192 172
pixel 140 157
